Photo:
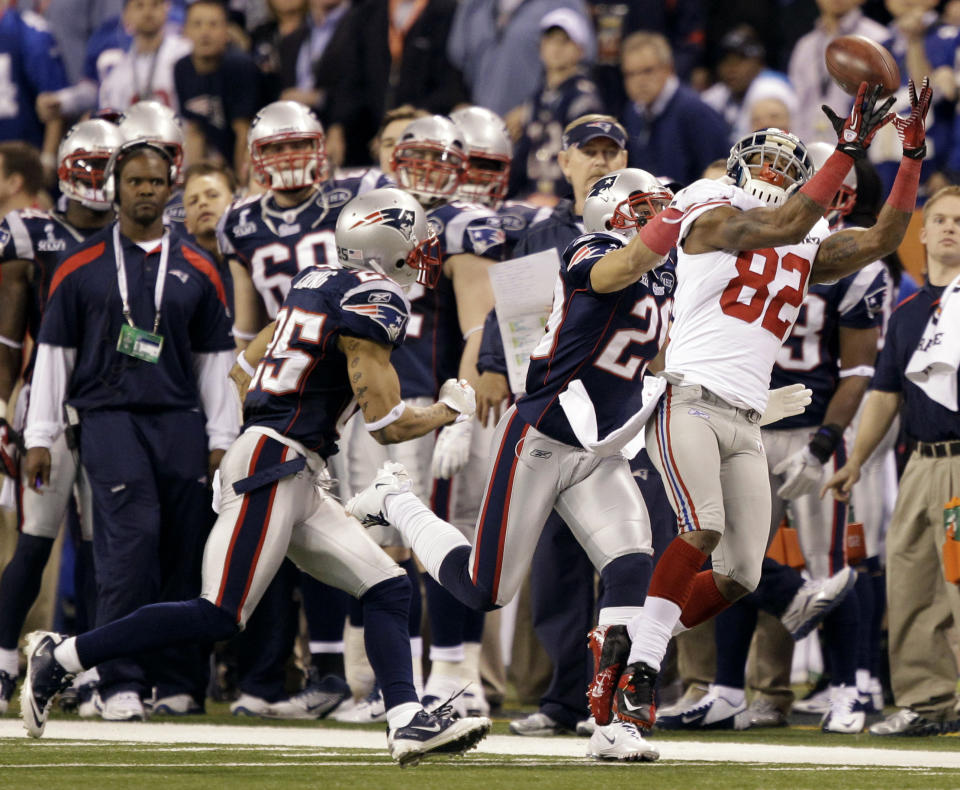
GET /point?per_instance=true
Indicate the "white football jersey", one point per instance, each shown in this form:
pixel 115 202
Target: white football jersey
pixel 733 309
pixel 149 76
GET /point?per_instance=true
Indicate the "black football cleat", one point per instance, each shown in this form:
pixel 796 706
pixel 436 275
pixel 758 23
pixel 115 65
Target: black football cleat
pixel 44 679
pixel 610 646
pixel 634 700
pixel 435 733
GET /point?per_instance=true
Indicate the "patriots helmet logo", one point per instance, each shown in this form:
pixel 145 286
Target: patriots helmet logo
pixel 603 126
pixel 602 184
pixel 400 218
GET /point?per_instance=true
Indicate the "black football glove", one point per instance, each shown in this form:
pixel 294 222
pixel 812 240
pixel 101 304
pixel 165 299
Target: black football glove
pixel 855 132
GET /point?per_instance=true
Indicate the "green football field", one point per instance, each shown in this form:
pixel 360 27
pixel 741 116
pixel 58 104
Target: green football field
pixel 220 751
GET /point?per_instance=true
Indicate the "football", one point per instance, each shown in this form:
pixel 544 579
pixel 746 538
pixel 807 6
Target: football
pixel 854 59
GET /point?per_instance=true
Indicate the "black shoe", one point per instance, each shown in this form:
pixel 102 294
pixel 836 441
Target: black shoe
pixel 44 678
pixel 434 733
pixel 634 700
pixel 610 646
pixel 7 684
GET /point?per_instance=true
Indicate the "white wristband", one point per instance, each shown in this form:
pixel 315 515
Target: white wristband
pixel 472 331
pixel 245 366
pixel 11 343
pixel 237 333
pixel 859 370
pixel 392 416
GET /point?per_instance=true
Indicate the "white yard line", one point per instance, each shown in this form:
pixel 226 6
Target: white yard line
pixel 92 732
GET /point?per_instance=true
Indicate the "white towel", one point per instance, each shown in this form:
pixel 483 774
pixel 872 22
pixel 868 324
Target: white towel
pixel 933 365
pixel 628 438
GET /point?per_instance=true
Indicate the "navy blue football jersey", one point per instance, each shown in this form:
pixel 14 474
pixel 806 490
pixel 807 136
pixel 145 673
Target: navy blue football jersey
pixel 516 217
pixel 45 238
pixel 605 340
pixel 29 65
pixel 175 213
pixel 301 387
pixel 434 343
pixel 276 243
pixel 811 353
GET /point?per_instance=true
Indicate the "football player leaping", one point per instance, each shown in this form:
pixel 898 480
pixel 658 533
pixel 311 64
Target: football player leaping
pixel 330 349
pixel 732 312
pixel 32 244
pixel 608 322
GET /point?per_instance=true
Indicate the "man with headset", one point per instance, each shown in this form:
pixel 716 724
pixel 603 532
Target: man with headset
pixel 137 343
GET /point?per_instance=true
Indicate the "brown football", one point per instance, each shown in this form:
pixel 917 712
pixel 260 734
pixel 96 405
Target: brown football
pixel 855 59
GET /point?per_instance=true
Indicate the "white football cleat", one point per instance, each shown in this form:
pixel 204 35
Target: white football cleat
pixel 621 740
pixel 713 711
pixel 815 600
pixel 844 715
pixel 368 506
pixel 435 733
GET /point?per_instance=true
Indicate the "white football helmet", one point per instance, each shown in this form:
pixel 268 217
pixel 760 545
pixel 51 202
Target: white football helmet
pixel 82 161
pixel 287 146
pixel 430 159
pixel 769 164
pixel 846 196
pixel 386 230
pixel 151 120
pixel 623 201
pixel 489 153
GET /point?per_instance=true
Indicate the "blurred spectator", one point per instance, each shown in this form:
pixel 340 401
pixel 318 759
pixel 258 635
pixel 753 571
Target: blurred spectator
pixel 317 45
pixel 398 56
pixel 72 23
pixel 31 64
pixel 778 24
pixel 21 177
pixel 672 131
pixel 394 122
pixel 681 22
pixel 208 191
pixel 922 47
pixel 146 70
pixel 744 80
pixel 951 13
pixel 276 62
pixel 567 93
pixel 808 71
pixel 766 112
pixel 213 86
pixel 494 43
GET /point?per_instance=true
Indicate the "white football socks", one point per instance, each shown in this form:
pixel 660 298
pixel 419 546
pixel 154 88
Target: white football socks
pixel 9 662
pixel 402 715
pixel 650 631
pixel 66 654
pixel 430 538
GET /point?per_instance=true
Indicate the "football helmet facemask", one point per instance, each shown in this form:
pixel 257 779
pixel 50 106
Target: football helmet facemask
pixel 430 159
pixel 386 230
pixel 287 147
pixel 82 162
pixel 769 164
pixel 623 201
pixel 489 153
pixel 846 196
pixel 151 120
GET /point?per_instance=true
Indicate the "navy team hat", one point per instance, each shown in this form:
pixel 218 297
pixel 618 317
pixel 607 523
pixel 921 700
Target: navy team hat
pixel 585 132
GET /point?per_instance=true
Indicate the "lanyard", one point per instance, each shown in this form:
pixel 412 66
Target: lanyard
pixel 151 68
pixel 122 277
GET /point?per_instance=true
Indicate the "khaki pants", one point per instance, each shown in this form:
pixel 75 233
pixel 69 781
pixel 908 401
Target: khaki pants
pixel 923 609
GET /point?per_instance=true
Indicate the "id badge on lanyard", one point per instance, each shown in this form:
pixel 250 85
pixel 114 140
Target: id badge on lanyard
pixel 134 341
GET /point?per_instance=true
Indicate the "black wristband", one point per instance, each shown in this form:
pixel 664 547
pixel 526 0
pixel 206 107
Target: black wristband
pixel 916 153
pixel 825 441
pixel 855 151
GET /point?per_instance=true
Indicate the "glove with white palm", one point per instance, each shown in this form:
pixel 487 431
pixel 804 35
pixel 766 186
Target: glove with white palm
pixel 458 395
pixel 786 401
pixel 802 473
pixel 452 450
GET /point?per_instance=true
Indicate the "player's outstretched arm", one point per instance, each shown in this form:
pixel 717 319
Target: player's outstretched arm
pixel 846 251
pixel 726 228
pixel 377 388
pixel 620 268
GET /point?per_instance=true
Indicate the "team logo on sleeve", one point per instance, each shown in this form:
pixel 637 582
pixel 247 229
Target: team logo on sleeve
pixel 391 319
pixel 244 226
pixel 4 238
pixel 51 243
pixel 586 251
pixel 485 237
pixel 874 300
pixel 399 218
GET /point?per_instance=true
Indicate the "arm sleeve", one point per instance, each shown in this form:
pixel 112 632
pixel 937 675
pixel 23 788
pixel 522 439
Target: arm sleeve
pixel 218 397
pixel 888 374
pixel 51 378
pixel 492 356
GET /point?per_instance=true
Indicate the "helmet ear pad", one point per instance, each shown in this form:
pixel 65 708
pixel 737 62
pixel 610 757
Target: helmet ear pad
pixel 115 166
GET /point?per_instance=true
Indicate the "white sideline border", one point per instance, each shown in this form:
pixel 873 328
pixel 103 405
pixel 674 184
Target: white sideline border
pixel 340 738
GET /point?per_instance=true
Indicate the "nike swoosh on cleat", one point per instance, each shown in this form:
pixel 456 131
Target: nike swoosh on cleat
pixel 689 718
pixel 431 728
pixel 627 704
pixel 611 741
